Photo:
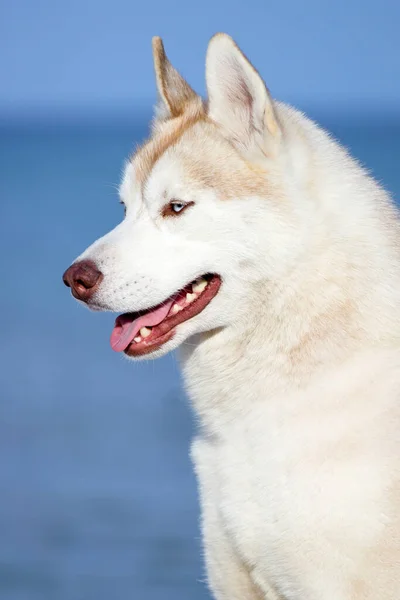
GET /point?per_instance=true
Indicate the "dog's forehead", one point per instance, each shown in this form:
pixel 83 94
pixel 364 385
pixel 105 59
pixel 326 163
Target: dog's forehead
pixel 185 164
pixel 141 165
pixel 165 136
pixel 203 158
pixel 190 153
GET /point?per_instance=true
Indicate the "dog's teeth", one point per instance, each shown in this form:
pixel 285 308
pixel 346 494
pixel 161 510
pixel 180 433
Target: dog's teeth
pixel 199 285
pixel 176 308
pixel 145 332
pixel 137 339
pixel 190 297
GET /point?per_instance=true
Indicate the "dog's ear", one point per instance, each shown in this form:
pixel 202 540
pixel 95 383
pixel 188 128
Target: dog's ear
pixel 239 100
pixel 174 93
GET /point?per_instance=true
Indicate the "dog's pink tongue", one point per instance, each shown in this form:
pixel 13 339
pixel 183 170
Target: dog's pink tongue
pixel 126 327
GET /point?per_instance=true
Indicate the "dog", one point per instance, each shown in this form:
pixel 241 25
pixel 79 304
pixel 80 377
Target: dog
pixel 254 243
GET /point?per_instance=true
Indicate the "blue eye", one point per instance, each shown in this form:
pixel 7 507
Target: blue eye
pixel 177 206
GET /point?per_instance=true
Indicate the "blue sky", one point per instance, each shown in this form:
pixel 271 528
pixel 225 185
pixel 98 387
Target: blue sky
pixel 96 54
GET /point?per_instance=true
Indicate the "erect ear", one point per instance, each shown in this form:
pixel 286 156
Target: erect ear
pixel 174 92
pixel 239 100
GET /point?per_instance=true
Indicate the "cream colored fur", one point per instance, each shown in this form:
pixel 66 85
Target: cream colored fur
pixel 293 369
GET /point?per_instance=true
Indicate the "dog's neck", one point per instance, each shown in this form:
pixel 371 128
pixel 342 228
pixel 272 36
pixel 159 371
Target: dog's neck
pixel 297 328
pixel 227 372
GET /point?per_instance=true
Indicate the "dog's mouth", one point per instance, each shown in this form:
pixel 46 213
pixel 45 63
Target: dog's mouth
pixel 143 332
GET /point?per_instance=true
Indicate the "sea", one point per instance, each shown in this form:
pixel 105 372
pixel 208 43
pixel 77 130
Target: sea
pixel 98 500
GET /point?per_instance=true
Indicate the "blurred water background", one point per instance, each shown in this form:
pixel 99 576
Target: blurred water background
pixel 97 496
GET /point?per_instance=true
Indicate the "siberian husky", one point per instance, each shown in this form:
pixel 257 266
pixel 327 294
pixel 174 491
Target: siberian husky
pixel 254 243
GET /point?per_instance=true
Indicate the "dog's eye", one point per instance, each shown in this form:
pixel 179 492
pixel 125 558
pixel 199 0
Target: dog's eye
pixel 175 207
pixel 124 205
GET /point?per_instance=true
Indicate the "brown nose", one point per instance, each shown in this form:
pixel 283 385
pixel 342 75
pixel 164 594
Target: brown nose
pixel 83 278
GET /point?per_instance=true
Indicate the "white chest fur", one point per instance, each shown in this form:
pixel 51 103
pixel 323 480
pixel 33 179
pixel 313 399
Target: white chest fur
pixel 289 472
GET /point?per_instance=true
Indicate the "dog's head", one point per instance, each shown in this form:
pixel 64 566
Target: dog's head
pixel 205 215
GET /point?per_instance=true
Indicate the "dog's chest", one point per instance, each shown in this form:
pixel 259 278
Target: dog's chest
pixel 246 480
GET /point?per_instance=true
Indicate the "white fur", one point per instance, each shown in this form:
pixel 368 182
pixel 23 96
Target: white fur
pixel 294 367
